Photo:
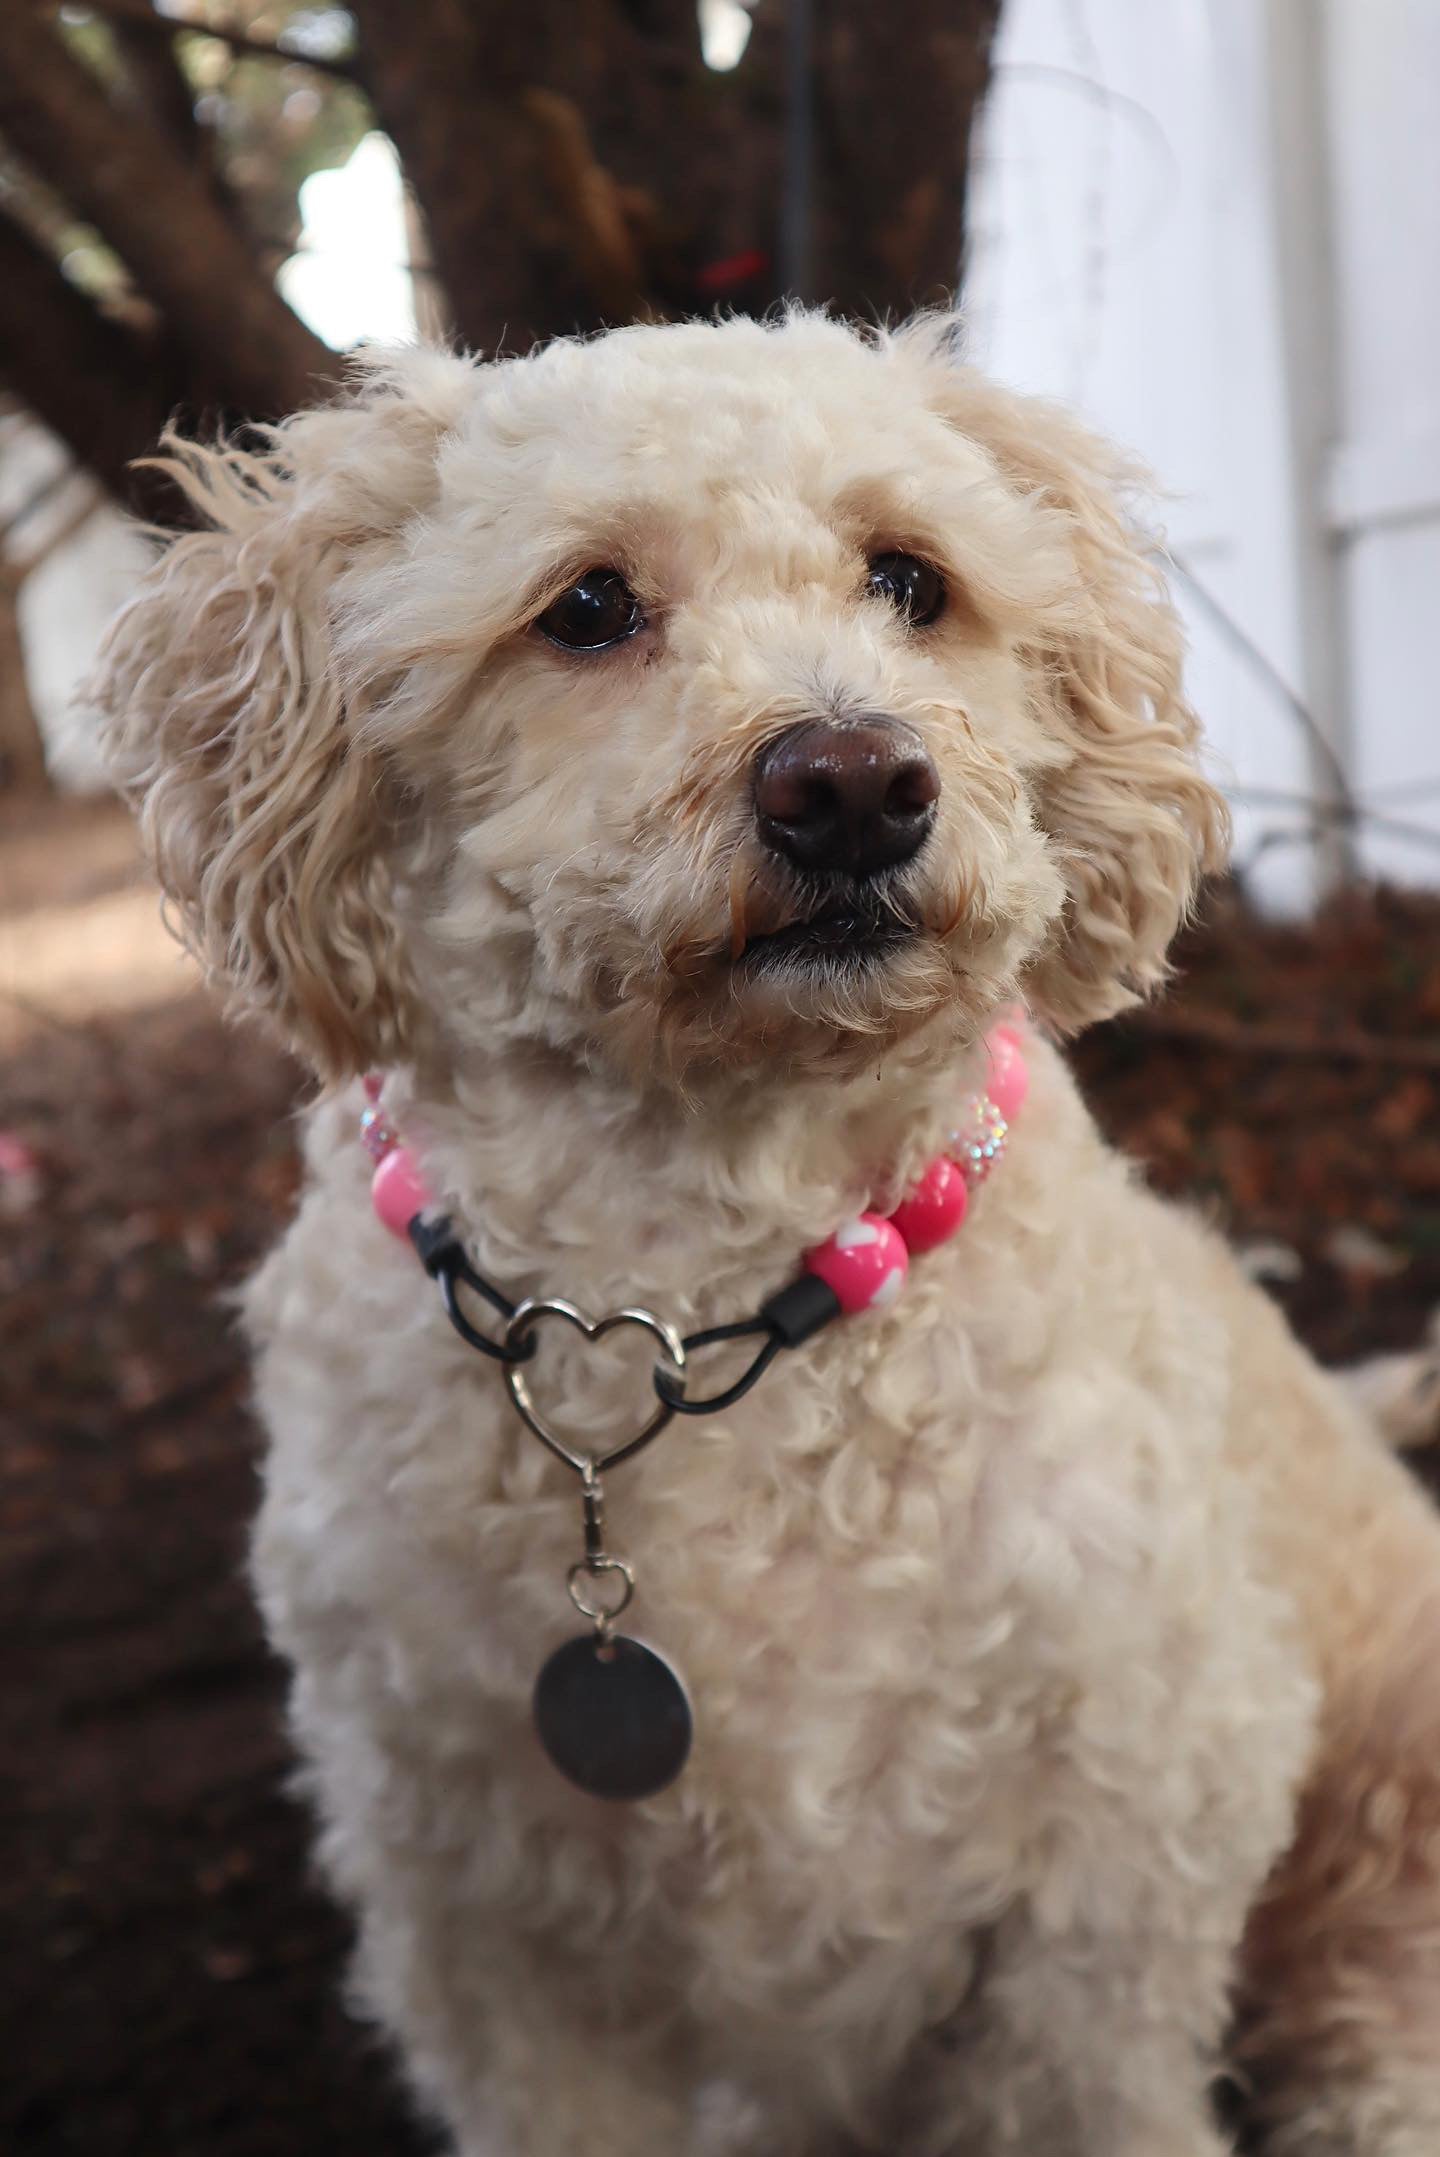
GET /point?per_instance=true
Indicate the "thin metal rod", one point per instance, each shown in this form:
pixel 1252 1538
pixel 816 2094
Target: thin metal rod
pixel 797 201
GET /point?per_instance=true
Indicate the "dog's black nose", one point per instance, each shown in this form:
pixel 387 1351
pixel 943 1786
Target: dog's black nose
pixel 853 796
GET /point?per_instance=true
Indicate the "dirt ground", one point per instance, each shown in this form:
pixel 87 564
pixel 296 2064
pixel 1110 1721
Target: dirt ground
pixel 169 1978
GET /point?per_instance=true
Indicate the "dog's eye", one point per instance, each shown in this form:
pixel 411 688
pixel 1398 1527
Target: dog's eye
pixel 598 609
pixel 914 588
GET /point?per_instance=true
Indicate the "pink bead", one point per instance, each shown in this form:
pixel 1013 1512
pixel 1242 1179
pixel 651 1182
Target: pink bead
pixel 865 1263
pixel 934 1209
pixel 1008 1081
pixel 373 1084
pixel 398 1191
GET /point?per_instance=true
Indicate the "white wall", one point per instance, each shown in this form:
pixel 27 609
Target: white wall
pixel 1213 226
pixel 66 602
pixel 1383 497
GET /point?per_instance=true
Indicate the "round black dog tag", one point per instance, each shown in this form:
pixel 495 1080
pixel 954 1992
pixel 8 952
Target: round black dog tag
pixel 613 1716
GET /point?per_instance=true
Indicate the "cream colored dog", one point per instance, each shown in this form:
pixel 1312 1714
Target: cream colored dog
pixel 1065 1649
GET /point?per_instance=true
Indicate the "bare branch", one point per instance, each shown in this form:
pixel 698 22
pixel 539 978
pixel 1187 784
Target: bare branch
pixel 143 16
pixel 97 386
pixel 73 516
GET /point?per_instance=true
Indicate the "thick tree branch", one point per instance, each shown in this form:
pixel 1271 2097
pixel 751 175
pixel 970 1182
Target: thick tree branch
pixel 181 248
pixel 91 382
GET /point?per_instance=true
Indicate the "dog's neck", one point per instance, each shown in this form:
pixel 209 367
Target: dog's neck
pixel 571 1183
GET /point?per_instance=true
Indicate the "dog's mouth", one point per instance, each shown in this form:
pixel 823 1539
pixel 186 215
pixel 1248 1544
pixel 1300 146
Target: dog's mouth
pixel 857 930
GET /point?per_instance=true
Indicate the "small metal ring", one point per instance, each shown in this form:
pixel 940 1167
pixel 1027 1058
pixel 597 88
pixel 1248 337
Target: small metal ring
pixel 588 1568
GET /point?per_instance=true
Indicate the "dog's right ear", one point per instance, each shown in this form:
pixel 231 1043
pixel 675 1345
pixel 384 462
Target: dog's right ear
pixel 265 808
pixel 1130 817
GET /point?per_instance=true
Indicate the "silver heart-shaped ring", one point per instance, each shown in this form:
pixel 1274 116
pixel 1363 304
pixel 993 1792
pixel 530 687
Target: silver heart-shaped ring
pixel 522 1324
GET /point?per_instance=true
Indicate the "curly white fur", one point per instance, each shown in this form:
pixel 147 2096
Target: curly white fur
pixel 1062 1643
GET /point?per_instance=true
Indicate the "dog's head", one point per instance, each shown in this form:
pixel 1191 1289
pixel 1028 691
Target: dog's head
pixel 692 700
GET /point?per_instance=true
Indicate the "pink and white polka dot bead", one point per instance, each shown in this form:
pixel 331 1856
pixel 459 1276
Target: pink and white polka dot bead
pixel 864 1263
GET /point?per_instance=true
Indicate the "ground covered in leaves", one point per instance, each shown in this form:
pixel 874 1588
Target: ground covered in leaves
pixel 169 1980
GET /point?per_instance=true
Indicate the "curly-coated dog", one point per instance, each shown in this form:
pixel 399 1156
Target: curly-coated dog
pixel 664 759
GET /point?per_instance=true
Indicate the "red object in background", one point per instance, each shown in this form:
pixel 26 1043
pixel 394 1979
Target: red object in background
pixel 716 278
pixel 19 1175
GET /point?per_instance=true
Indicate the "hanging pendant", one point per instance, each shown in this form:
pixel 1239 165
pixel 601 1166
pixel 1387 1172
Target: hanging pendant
pixel 613 1716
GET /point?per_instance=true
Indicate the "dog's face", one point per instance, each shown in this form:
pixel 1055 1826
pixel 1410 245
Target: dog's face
pixel 697 700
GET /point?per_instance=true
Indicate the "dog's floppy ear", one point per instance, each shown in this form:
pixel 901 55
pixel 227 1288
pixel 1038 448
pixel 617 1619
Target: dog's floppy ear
pixel 1132 821
pixel 265 807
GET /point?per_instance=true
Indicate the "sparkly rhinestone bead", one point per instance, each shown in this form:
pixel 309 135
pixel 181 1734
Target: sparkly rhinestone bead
pixel 377 1134
pixel 864 1262
pixel 980 1143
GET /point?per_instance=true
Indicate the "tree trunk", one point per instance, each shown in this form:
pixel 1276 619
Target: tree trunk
pixel 579 164
pixel 22 752
pixel 896 91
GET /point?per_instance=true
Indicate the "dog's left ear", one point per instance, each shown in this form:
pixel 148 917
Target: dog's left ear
pixel 266 803
pixel 1131 819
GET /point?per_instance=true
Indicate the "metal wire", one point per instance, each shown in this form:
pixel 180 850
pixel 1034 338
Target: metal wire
pixel 449 1267
pixel 673 1394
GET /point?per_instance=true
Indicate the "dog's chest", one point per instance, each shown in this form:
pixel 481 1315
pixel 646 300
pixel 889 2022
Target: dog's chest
pixel 902 1581
pixel 837 1569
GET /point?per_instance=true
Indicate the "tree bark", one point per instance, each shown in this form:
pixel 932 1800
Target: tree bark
pixel 182 250
pixel 578 163
pixel 896 92
pixel 96 385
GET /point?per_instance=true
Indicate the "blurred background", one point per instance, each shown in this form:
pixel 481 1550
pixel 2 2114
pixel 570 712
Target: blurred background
pixel 1211 225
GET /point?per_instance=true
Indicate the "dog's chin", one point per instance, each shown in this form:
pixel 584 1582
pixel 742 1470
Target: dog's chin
pixel 820 996
pixel 825 983
pixel 847 938
pixel 820 986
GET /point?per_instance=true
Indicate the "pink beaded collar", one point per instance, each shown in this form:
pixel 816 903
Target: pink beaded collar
pixel 866 1260
pixel 611 1712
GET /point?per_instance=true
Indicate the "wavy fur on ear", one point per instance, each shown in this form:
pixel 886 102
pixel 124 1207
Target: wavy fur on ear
pixel 1132 820
pixel 264 806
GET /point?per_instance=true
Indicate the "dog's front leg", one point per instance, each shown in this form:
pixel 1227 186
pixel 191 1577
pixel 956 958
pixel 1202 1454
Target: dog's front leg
pixel 1078 2046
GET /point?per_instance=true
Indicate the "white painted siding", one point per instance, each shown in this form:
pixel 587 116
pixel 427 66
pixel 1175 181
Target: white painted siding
pixel 1214 227
pixel 1383 79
